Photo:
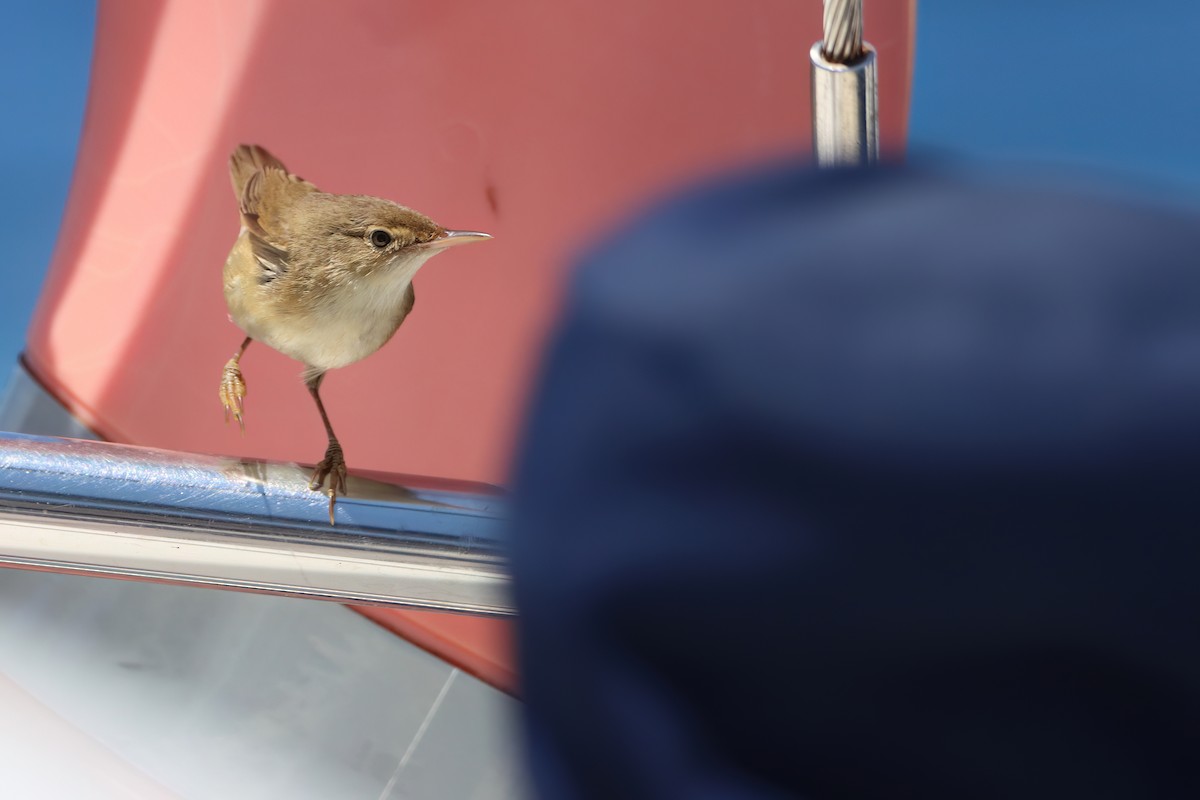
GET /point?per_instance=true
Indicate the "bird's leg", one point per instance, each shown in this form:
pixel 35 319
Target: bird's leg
pixel 233 387
pixel 333 466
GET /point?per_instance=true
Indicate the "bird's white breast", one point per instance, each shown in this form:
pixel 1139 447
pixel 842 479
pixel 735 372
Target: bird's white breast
pixel 349 323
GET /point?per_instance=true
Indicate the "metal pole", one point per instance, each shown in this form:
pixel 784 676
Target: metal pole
pixel 95 508
pixel 844 90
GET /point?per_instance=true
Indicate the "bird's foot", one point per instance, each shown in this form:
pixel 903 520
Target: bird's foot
pixel 333 468
pixel 233 392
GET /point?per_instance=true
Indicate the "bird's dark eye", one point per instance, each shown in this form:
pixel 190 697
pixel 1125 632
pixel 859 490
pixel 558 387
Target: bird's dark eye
pixel 380 238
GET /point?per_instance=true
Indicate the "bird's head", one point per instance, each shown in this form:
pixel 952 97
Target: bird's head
pixel 361 236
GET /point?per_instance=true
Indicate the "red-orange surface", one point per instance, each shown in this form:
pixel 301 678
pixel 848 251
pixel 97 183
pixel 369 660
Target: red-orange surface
pixel 541 123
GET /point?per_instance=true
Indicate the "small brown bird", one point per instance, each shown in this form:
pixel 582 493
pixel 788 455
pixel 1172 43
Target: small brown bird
pixel 323 278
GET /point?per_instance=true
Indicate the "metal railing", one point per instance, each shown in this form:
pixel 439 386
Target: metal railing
pixel 75 506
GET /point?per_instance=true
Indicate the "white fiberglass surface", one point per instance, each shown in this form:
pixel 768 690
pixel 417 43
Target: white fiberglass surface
pixel 43 755
pixel 195 693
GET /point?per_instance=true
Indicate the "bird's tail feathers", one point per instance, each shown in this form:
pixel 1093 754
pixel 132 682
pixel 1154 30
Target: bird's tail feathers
pixel 246 160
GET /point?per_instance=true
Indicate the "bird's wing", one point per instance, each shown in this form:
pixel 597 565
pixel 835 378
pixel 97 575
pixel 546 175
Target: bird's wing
pixel 265 190
pixel 406 306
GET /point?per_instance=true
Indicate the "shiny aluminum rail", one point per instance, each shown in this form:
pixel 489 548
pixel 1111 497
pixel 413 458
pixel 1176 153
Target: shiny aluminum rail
pixel 86 507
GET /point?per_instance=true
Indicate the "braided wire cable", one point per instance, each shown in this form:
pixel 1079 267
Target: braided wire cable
pixel 843 24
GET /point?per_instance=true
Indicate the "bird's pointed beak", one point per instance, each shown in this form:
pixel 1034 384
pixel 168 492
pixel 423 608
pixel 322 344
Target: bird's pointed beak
pixel 451 238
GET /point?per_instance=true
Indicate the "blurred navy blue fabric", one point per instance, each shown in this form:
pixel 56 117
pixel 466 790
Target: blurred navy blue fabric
pixel 869 484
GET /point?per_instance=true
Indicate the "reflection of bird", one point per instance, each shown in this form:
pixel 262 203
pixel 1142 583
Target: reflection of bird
pixel 323 278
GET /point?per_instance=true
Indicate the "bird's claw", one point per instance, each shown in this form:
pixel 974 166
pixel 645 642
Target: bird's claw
pixel 333 467
pixel 233 392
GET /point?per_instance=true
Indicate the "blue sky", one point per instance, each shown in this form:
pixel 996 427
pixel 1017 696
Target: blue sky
pixel 45 56
pixel 1101 83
